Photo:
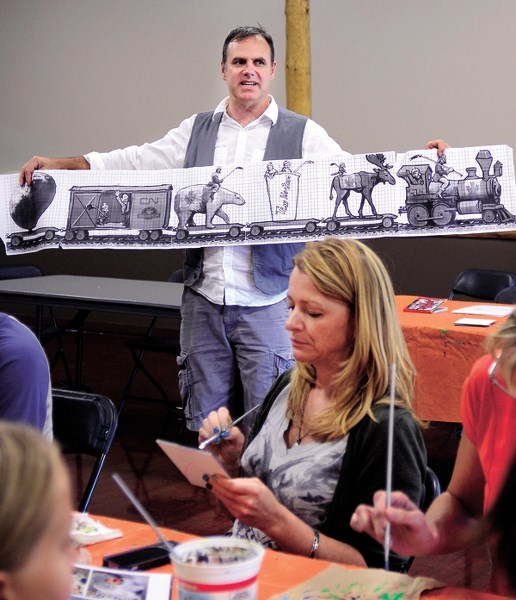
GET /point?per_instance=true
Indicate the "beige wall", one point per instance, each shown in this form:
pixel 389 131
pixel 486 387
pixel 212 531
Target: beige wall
pixel 387 75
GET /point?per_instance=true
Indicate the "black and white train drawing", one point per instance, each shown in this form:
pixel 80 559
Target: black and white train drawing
pixel 436 197
pixel 142 212
pixel 363 183
pixel 444 196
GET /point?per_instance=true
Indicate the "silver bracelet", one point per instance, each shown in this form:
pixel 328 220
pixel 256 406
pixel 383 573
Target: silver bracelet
pixel 315 544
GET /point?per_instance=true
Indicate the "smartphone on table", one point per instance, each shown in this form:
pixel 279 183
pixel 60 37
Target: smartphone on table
pixel 140 559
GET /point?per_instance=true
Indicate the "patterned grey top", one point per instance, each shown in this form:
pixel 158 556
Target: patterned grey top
pixel 303 478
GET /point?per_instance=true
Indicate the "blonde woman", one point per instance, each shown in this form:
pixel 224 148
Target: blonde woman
pixel 319 443
pixel 36 554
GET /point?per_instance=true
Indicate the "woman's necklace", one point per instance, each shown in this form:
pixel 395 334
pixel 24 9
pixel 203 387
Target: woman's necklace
pixel 300 437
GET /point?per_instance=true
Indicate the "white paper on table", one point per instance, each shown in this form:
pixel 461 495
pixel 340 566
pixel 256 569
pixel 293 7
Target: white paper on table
pixel 475 322
pixel 486 310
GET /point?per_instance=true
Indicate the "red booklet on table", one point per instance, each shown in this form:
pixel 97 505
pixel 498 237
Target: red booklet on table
pixel 426 305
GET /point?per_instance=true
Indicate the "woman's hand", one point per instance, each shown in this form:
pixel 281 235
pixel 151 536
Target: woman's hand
pixel 411 533
pixel 228 447
pixel 249 500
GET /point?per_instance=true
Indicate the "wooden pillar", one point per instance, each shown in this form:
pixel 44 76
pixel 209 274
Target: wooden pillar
pixel 297 67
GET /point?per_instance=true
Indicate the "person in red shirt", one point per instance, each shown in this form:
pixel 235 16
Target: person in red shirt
pixel 488 445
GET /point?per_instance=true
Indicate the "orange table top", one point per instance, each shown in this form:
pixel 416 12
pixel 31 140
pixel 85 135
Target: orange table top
pixel 279 572
pixel 443 354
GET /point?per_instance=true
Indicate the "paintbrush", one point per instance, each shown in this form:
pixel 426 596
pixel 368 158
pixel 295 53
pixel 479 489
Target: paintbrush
pixel 388 487
pixel 139 507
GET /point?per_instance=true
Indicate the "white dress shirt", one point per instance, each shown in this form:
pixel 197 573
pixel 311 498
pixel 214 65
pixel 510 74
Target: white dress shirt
pixel 227 275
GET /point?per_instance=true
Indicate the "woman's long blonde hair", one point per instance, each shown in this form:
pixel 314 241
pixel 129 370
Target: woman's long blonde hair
pixel 30 467
pixel 349 271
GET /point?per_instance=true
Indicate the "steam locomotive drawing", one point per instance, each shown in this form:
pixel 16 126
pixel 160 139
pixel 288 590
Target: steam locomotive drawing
pixel 434 198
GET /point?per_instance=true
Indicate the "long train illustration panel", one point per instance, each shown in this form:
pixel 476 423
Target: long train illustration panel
pixel 466 190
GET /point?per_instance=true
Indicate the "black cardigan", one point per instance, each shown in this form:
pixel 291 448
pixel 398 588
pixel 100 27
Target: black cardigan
pixel 363 471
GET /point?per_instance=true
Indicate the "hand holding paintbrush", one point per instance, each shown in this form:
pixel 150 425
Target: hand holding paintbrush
pixel 219 435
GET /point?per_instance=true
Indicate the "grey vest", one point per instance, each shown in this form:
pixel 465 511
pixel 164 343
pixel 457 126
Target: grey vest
pixel 271 263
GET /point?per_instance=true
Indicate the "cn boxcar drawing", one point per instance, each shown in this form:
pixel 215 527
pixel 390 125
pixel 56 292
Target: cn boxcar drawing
pixel 141 212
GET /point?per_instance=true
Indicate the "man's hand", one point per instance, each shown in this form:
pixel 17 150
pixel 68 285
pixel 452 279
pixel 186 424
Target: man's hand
pixel 441 146
pixel 45 162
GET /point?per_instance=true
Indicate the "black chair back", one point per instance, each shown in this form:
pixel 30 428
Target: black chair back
pixel 432 489
pixel 19 271
pixel 84 423
pixel 482 284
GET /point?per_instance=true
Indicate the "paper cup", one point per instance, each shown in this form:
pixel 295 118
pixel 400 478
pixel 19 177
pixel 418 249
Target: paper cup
pixel 217 568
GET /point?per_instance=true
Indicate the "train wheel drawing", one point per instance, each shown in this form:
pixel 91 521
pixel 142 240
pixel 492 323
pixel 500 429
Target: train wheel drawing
pixel 181 234
pixel 418 215
pixel 81 235
pixel 442 215
pixel 49 234
pixel 16 241
pixel 155 234
pixel 489 215
pixel 310 227
pixel 69 235
pixel 332 225
pixel 255 230
pixel 234 231
pixel 387 222
pixel 143 236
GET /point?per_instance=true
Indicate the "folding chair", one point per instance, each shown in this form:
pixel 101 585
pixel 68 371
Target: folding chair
pixel 84 423
pixel 52 332
pixel 482 284
pixel 140 347
pixel 432 489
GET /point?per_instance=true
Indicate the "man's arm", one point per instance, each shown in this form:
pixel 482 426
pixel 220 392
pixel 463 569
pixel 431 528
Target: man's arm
pixel 74 163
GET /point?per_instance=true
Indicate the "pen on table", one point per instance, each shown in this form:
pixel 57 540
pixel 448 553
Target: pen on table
pixel 140 508
pixel 390 443
pixel 219 435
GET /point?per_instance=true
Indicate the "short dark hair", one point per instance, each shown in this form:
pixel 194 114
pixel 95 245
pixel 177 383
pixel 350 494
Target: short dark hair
pixel 245 31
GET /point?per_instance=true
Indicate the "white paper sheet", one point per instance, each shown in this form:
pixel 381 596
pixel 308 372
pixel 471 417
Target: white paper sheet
pixel 192 462
pixel 486 310
pixel 474 322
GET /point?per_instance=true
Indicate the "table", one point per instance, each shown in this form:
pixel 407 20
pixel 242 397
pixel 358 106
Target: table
pixel 85 294
pixel 443 354
pixel 280 571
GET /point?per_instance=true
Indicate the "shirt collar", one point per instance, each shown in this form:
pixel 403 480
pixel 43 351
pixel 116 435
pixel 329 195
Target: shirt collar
pixel 271 112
